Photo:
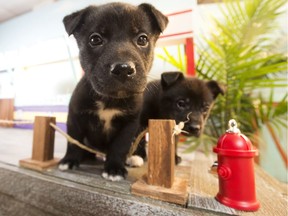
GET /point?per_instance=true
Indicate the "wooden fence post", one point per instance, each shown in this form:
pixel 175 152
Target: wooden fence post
pixel 161 153
pixel 43 145
pixel 160 181
pixel 6 111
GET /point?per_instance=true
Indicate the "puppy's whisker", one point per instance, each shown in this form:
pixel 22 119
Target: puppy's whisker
pixel 187 117
pixel 152 77
pixel 152 87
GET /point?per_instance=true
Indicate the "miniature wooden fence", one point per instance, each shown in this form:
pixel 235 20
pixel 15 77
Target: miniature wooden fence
pixel 160 181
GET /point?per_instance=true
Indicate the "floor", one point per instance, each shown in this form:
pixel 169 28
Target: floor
pixel 52 192
pixel 16 144
pixel 24 188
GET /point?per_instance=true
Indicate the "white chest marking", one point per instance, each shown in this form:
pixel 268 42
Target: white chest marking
pixel 106 115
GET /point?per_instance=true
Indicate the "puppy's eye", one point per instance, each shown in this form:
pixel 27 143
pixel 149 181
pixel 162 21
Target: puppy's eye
pixel 181 104
pixel 95 39
pixel 142 40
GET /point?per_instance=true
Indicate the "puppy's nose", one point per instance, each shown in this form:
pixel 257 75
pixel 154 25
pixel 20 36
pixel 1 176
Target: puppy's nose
pixel 194 128
pixel 123 70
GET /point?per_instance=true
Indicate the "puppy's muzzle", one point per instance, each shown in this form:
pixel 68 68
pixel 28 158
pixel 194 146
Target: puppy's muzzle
pixel 194 128
pixel 123 71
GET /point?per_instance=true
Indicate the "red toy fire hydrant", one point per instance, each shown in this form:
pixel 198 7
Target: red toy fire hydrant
pixel 236 170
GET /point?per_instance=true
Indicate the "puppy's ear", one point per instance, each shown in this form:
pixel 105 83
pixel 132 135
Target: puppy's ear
pixel 215 88
pixel 158 20
pixel 74 20
pixel 169 78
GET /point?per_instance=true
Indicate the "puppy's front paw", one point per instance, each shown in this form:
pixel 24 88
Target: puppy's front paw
pixel 66 164
pixel 63 166
pixel 112 177
pixel 135 161
pixel 178 159
pixel 114 172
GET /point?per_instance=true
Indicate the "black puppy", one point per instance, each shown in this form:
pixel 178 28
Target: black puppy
pixel 176 97
pixel 116 43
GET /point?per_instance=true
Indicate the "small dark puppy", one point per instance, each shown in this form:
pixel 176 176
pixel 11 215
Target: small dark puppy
pixel 116 43
pixel 179 98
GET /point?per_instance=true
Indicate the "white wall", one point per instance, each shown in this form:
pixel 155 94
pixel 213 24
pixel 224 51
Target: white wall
pixel 46 22
pixel 38 37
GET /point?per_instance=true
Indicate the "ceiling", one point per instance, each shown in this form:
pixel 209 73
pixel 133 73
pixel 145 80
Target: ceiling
pixel 12 8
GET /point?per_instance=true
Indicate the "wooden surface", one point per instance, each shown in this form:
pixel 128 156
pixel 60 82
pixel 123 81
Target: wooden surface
pixel 41 194
pixel 84 192
pixel 6 111
pixel 204 187
pixel 161 153
pixel 79 192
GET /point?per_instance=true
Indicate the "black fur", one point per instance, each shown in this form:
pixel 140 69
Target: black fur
pixel 179 98
pixel 116 43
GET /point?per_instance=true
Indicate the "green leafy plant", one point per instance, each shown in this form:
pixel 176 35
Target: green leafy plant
pixel 178 60
pixel 240 54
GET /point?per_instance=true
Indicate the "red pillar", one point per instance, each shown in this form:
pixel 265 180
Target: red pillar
pixel 189 49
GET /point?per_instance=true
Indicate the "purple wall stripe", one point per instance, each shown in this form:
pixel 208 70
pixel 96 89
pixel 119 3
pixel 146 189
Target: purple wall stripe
pixel 57 108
